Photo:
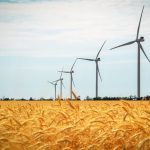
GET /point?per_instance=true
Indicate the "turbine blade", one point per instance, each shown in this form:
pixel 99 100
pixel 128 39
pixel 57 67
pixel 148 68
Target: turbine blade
pixel 139 24
pixel 64 71
pixel 56 80
pixel 61 73
pixel 143 51
pixel 100 50
pixel 99 73
pixel 124 44
pixel 73 64
pixel 87 59
pixel 51 83
pixel 73 82
pixel 63 85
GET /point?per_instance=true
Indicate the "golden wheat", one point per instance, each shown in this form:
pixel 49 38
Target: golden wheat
pixel 75 125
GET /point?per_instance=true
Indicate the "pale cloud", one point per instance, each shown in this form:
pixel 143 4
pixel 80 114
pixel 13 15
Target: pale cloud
pixel 60 25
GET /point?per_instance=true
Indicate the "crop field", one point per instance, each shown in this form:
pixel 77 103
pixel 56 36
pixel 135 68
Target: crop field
pixel 75 125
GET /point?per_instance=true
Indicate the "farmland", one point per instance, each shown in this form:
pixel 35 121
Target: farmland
pixel 75 125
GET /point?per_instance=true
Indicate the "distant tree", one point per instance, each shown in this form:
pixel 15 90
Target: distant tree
pixel 88 98
pixel 6 99
pixel 50 99
pixel 42 99
pixel 31 99
pixel 78 98
pixel 147 97
pixel 97 98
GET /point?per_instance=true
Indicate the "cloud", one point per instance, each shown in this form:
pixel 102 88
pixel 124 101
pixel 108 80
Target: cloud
pixel 53 26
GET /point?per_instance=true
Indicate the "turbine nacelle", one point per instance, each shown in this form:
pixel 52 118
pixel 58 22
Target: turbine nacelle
pixel 141 39
pixel 98 59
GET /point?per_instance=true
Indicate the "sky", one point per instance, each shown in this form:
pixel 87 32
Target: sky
pixel 40 37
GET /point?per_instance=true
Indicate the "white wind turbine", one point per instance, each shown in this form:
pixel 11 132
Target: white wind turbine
pixel 71 77
pixel 54 83
pixel 139 49
pixel 96 60
pixel 61 84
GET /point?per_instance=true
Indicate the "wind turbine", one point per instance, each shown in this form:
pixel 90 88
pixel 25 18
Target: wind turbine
pixel 138 41
pixel 96 60
pixel 71 77
pixel 61 84
pixel 55 85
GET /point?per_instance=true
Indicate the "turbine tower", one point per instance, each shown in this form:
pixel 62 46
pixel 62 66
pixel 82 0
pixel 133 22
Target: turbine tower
pixel 139 49
pixel 96 60
pixel 54 83
pixel 71 77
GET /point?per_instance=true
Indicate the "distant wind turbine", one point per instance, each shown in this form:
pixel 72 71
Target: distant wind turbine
pixel 61 84
pixel 71 77
pixel 96 60
pixel 138 41
pixel 55 85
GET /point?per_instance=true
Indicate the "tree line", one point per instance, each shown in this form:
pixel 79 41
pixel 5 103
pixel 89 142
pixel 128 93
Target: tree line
pixel 87 98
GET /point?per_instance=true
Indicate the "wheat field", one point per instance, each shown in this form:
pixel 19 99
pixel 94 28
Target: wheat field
pixel 74 125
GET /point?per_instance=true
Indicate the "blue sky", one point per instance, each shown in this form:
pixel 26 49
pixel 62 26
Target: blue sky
pixel 38 38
